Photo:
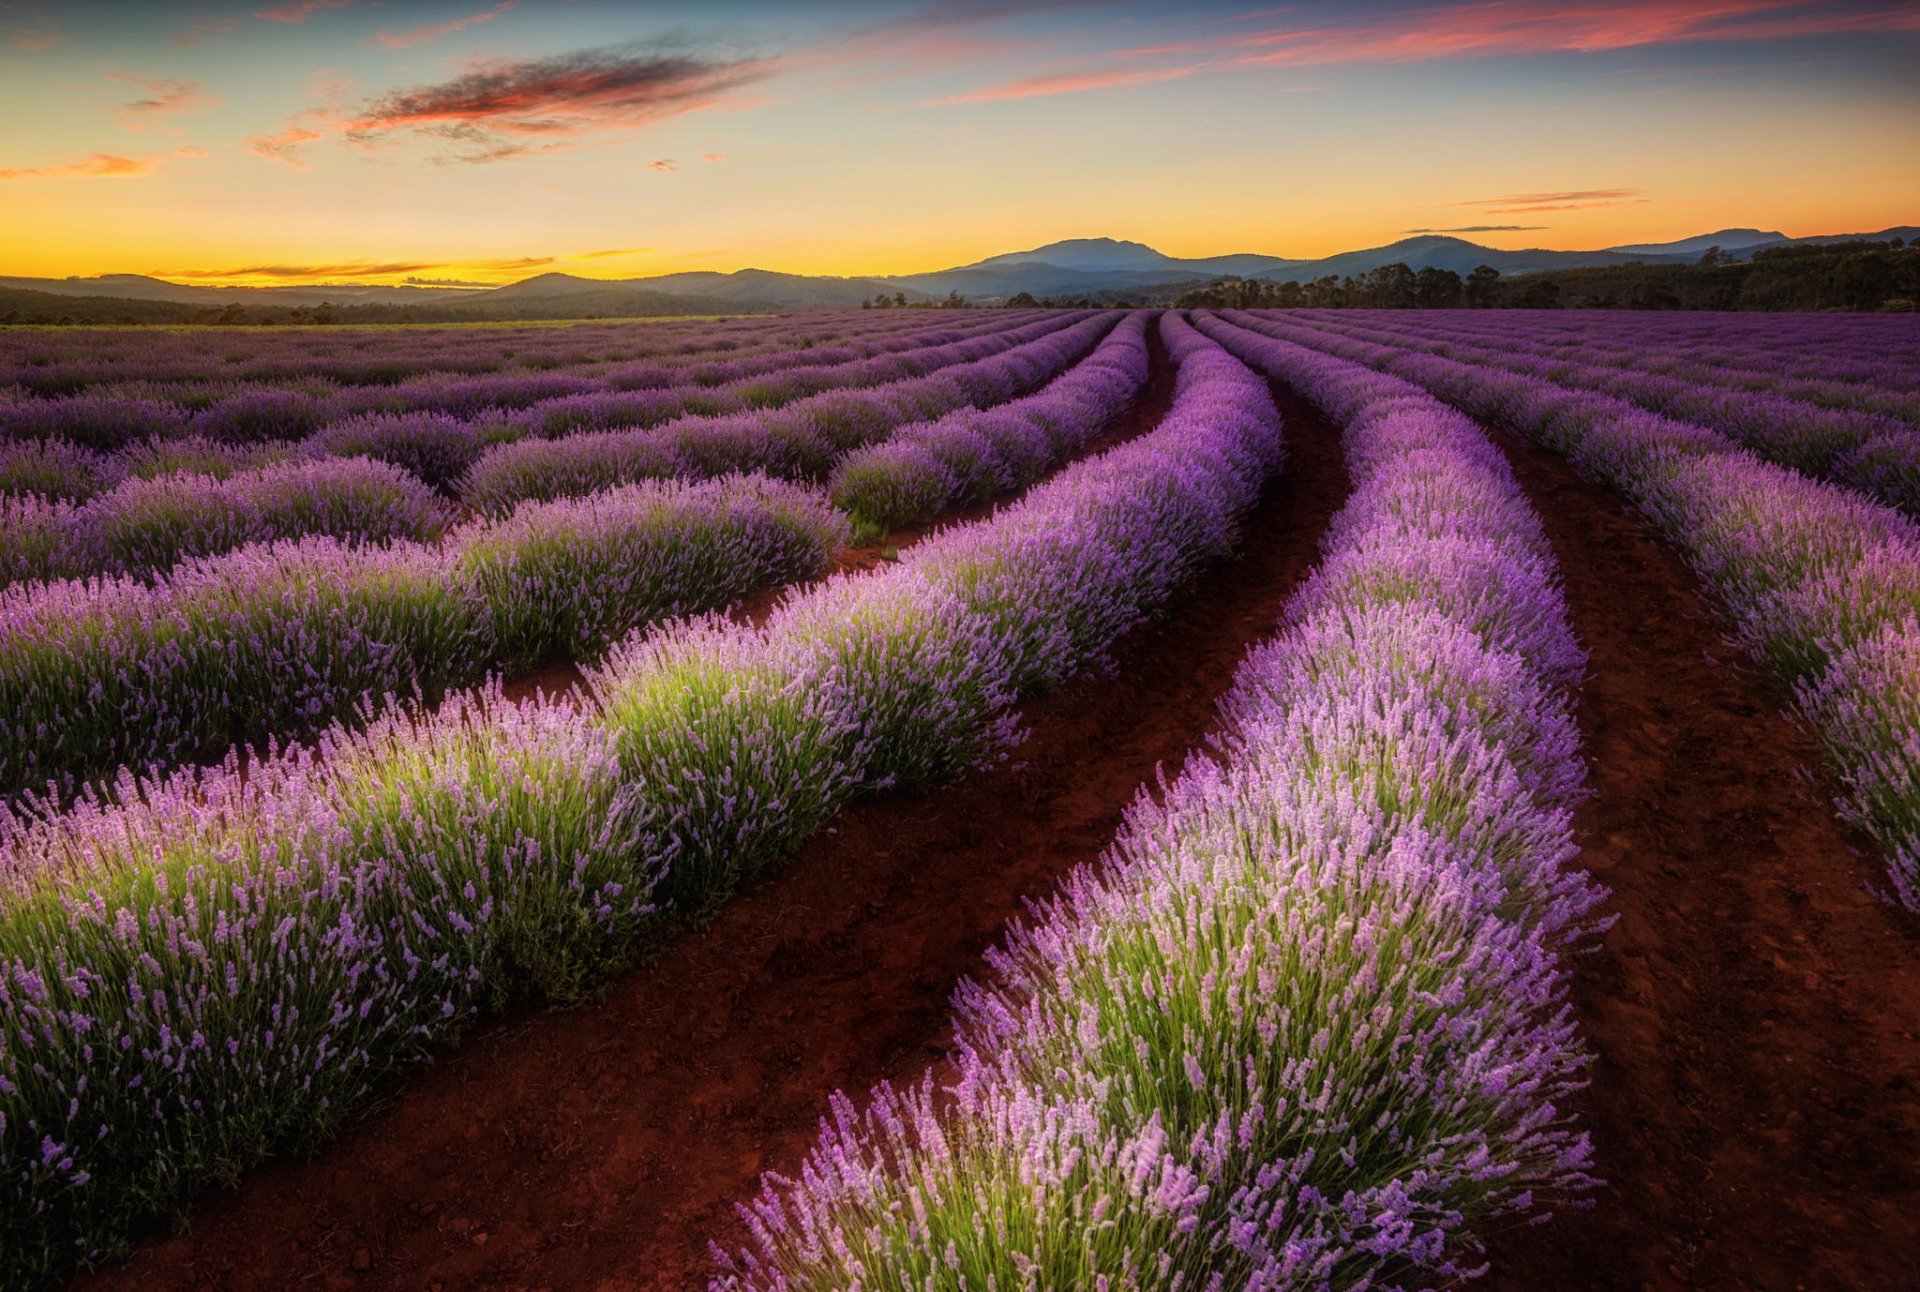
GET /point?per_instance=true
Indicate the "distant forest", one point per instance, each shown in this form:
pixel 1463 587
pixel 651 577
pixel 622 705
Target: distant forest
pixel 1853 276
pixel 1837 276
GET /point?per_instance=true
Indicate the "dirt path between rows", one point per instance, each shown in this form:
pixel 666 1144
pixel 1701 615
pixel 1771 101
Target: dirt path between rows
pixel 1755 1011
pixel 601 1148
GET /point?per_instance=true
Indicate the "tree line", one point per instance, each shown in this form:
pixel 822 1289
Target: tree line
pixel 1860 275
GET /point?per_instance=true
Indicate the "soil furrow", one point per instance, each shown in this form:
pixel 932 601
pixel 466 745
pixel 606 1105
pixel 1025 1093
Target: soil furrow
pixel 1755 1011
pixel 602 1147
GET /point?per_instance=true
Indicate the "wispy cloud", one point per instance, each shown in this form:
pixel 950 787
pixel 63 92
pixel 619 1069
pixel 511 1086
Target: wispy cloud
pixel 1486 228
pixel 359 269
pixel 434 31
pixel 713 157
pixel 502 109
pixel 1494 28
pixel 29 27
pixel 609 252
pixel 665 163
pixel 162 97
pixel 1583 199
pixel 203 28
pixel 298 11
pixel 353 269
pixel 1034 87
pixel 286 146
pixel 96 166
pixel 1570 195
pixel 190 151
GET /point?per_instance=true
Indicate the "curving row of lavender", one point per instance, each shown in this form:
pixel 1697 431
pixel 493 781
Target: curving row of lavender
pixel 1823 585
pixel 802 438
pixel 1791 355
pixel 1872 452
pixel 975 453
pixel 1305 1024
pixel 194 367
pixel 206 969
pixel 1854 359
pixel 274 641
pixel 509 403
pixel 145 526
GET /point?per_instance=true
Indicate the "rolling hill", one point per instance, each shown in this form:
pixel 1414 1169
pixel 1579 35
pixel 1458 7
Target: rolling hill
pixel 1100 268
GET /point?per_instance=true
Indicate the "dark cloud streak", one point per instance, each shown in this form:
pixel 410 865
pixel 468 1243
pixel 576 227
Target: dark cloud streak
pixel 505 109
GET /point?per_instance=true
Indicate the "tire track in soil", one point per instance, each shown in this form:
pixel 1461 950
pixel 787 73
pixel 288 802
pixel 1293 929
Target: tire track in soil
pixel 602 1147
pixel 1755 1012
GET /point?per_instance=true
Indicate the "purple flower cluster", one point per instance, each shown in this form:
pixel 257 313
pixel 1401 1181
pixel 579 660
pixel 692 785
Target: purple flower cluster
pixel 1876 452
pixel 1304 1026
pixel 194 367
pixel 55 469
pixel 973 454
pixel 800 439
pixel 144 527
pixel 276 640
pixel 435 447
pixel 1823 584
pixel 198 971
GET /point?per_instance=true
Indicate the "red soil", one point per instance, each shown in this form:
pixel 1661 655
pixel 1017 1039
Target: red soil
pixel 602 1147
pixel 1755 1103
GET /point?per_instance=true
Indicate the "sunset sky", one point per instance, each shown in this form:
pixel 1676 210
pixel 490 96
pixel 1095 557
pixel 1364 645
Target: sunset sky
pixel 481 142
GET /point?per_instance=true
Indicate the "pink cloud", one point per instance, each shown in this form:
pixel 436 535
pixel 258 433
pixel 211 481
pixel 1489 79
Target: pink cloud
pixel 298 11
pixel 1515 27
pixel 665 163
pixel 96 166
pixel 434 31
pixel 1033 87
pixel 713 157
pixel 286 146
pixel 495 109
pixel 1583 199
pixel 190 151
pixel 31 29
pixel 162 97
pixel 203 29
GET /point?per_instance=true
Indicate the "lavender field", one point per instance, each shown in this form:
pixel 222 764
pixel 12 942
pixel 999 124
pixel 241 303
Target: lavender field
pixel 361 689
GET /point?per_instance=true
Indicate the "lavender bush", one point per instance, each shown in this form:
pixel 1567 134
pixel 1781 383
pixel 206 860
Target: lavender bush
pixel 202 971
pixel 145 527
pixel 1822 584
pixel 920 470
pixel 1304 1025
pixel 277 640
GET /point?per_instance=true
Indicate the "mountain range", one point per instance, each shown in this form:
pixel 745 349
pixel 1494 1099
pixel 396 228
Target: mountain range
pixel 1073 268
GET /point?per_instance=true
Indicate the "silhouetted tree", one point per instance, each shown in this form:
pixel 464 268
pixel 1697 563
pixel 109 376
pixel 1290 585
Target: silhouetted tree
pixel 1482 286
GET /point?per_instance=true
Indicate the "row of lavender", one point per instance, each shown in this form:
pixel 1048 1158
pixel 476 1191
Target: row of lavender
pixel 978 453
pixel 1797 355
pixel 511 402
pixel 192 366
pixel 1826 351
pixel 144 527
pixel 1873 452
pixel 1823 585
pixel 276 640
pixel 803 438
pixel 203 973
pixel 1304 1026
